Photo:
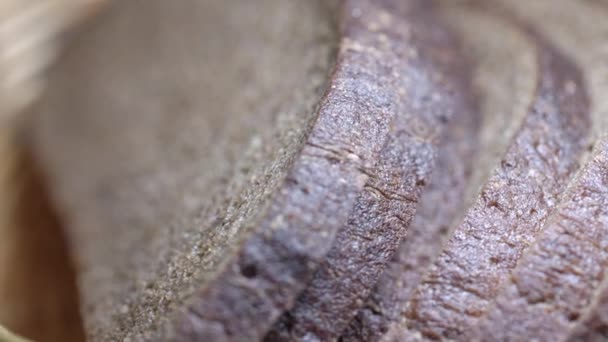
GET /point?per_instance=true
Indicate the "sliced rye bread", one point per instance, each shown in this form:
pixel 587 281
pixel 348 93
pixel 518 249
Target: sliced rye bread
pixel 200 185
pixel 559 278
pixel 512 207
pixel 435 77
pixel 555 279
pixel 504 79
pixel 161 170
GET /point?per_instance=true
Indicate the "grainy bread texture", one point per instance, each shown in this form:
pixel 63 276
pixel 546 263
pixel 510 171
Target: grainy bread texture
pixel 164 142
pixel 593 323
pixel 554 281
pixel 203 211
pixel 504 79
pixel 435 90
pixel 564 287
pixel 247 170
pixel 512 207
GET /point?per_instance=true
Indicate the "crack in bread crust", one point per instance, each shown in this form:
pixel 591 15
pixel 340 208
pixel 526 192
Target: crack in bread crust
pixel 457 178
pixel 434 79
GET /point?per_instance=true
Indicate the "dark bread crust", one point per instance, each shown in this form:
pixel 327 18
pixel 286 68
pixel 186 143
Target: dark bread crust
pixel 154 177
pixel 512 206
pixel 368 77
pixel 554 292
pixel 439 203
pixel 459 172
pixel 593 324
pixel 433 79
pixel 263 271
pixel 554 281
pixel 37 279
pixel 583 38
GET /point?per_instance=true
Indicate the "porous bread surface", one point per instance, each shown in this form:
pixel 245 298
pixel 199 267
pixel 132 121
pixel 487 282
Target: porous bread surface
pixel 164 139
pixel 435 87
pixel 512 206
pixel 555 279
pixel 367 87
pixel 555 290
pixel 504 79
pixel 200 222
pixel 592 325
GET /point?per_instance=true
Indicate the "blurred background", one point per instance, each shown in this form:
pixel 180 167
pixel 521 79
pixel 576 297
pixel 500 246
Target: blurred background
pixel 38 297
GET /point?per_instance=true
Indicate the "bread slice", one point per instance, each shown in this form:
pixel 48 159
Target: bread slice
pixel 554 283
pixel 201 186
pixel 434 81
pixel 512 207
pixel 504 79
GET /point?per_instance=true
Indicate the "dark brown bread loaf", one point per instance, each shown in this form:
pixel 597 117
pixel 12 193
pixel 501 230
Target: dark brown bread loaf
pixel 504 73
pixel 555 279
pixel 198 212
pixel 434 83
pixel 512 206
